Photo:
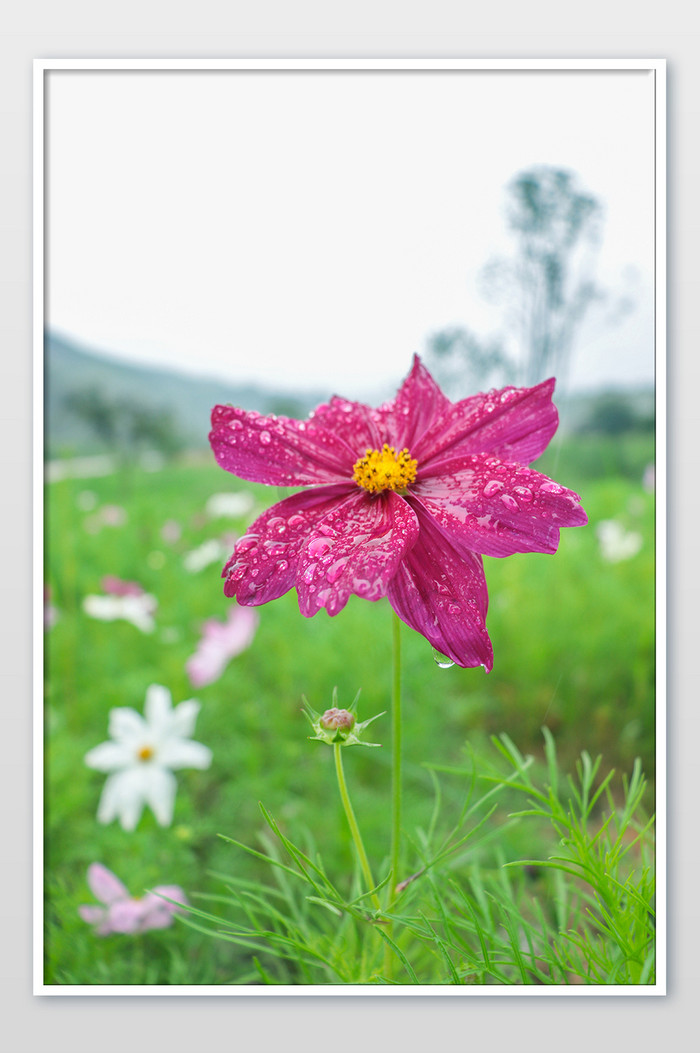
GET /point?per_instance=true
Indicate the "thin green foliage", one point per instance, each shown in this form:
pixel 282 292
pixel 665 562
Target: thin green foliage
pixel 584 913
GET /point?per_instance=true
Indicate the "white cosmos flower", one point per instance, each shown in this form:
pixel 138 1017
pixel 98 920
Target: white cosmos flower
pixel 138 610
pixel 142 755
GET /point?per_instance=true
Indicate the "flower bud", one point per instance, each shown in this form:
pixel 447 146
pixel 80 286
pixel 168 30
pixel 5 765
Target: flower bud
pixel 338 727
pixel 338 719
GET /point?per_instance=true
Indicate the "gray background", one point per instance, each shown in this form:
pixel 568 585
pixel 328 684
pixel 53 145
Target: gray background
pixel 368 28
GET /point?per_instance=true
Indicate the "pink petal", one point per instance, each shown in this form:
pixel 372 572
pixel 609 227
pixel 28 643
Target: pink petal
pixel 220 643
pixel 116 587
pixel 498 508
pixel 514 424
pixel 353 422
pixel 264 562
pixel 419 402
pixel 127 916
pixel 277 450
pixel 172 892
pixel 356 549
pixel 441 593
pixel 104 885
pixel 157 912
pixel 92 914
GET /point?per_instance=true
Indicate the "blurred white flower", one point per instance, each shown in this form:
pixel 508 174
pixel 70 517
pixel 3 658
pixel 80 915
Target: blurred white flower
pixel 142 755
pixel 229 504
pixel 138 610
pixel 211 551
pixel 616 543
pixel 220 642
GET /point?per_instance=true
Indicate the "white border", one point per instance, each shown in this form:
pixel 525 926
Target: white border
pixel 657 67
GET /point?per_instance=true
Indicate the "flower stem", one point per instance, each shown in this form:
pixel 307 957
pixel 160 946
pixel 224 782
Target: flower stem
pixel 352 823
pixel 395 784
pixel 396 760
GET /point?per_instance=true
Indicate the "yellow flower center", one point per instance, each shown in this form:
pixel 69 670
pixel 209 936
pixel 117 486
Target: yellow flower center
pixel 385 470
pixel 145 753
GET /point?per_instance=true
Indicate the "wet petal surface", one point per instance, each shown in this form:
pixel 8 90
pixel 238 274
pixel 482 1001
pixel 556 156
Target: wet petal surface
pixel 264 562
pixel 355 549
pixel 441 593
pixel 277 450
pixel 418 404
pixel 498 508
pixel 514 424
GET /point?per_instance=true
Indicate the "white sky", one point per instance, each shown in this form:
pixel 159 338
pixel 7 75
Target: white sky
pixel 311 229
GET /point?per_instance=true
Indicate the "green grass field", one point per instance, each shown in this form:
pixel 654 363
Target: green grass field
pixel 574 647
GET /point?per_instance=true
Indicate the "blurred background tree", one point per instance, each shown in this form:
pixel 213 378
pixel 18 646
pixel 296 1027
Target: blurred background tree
pixel 546 288
pixel 125 427
pixel 464 362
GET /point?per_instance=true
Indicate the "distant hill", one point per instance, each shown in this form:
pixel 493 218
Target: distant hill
pixel 97 403
pixel 75 378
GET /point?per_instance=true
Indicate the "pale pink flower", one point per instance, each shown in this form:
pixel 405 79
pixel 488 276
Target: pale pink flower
pixel 117 587
pixel 51 614
pixel 122 913
pixel 220 642
pixel 171 531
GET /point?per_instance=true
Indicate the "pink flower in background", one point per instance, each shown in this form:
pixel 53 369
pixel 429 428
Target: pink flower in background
pixel 106 516
pixel 171 531
pixel 123 913
pixel 51 614
pixel 117 587
pixel 403 502
pixel 220 642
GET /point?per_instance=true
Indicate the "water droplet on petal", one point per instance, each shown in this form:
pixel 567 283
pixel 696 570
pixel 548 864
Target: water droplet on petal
pixel 334 572
pixel 442 660
pixel 235 425
pixel 551 488
pixel 493 487
pixel 308 575
pixel 524 493
pixel 509 502
pixel 317 546
pixel 247 542
pixel 274 548
pixel 296 520
pixel 282 565
pixel 265 437
pixel 324 528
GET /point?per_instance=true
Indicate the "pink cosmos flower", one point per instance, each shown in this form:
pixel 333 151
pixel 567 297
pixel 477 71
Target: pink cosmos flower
pixel 118 587
pixel 404 501
pixel 220 642
pixel 121 912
